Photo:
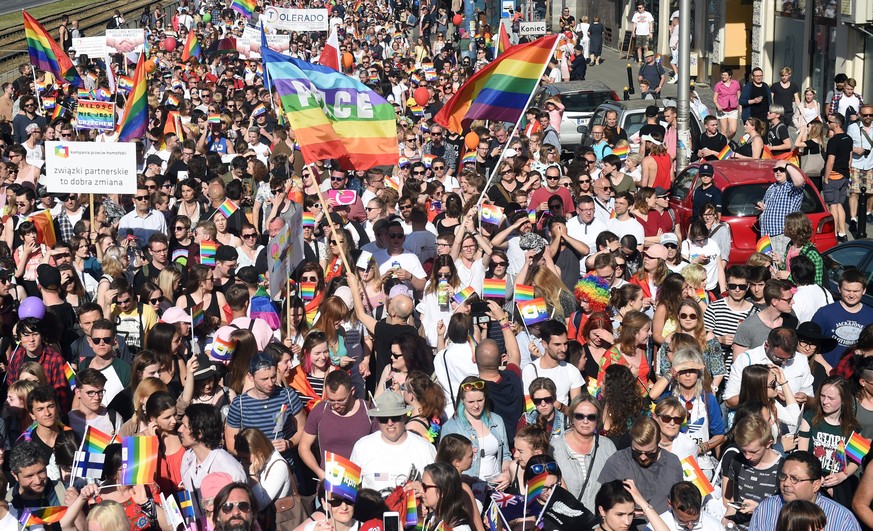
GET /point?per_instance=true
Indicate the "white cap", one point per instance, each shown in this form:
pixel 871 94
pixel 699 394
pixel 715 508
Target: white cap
pixel 510 152
pixel 648 138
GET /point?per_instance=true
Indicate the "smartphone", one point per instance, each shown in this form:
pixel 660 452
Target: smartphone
pixel 736 506
pixel 391 521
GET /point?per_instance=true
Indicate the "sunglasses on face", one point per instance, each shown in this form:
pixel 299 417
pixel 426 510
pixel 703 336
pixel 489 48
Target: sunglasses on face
pixel 639 453
pixel 667 419
pixel 396 236
pixel 590 417
pixel 396 419
pixel 244 507
pixel 101 340
pixel 544 400
pixel 308 279
pixel 741 287
pixel 539 468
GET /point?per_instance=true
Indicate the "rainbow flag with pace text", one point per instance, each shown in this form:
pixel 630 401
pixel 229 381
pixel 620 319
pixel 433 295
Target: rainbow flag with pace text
pixel 46 54
pixel 136 111
pixel 501 90
pixel 333 115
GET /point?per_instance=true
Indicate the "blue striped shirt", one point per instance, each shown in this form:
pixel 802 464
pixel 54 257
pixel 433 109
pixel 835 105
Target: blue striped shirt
pixel 838 517
pixel 266 415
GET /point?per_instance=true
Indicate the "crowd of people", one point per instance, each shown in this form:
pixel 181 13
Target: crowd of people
pixel 657 366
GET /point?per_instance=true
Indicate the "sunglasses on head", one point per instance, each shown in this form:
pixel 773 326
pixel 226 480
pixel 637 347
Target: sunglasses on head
pixel 477 385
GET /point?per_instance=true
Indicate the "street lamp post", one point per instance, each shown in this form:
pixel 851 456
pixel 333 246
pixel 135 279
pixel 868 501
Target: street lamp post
pixel 684 96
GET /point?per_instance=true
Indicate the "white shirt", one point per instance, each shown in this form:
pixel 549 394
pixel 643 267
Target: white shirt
pixel 471 276
pixel 796 372
pixel 451 365
pixel 706 523
pixel 382 464
pixel 405 260
pixel 565 376
pixel 808 299
pixel 143 227
pixel 642 23
pixel 628 226
pixel 421 243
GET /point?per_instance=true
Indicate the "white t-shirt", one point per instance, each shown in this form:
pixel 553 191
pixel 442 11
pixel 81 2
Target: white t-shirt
pixel 808 299
pixel 565 376
pixel 102 422
pixel 421 243
pixel 451 366
pixel 405 260
pixel 796 371
pixel 471 276
pixel 643 23
pixel 628 226
pixel 712 251
pixel 385 465
pixel 706 523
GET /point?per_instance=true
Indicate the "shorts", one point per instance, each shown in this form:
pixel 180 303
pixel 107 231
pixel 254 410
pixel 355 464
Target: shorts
pixel 835 192
pixel 722 115
pixel 641 41
pixel 861 178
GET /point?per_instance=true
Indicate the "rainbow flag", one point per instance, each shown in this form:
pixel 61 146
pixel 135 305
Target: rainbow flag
pixel 207 252
pixel 764 245
pixel 532 216
pixel 341 476
pixel 857 447
pixel 523 293
pixel 427 160
pixel 691 471
pixel 139 460
pixel 499 91
pixel 83 94
pixel 244 7
pixel 621 152
pixel 259 110
pixel 95 441
pixel 528 404
pixel 333 115
pixel 47 515
pixel 464 294
pixel 725 153
pixel 70 375
pixel 308 219
pixel 46 54
pixel 533 311
pixel 430 73
pixel 536 486
pixel 415 78
pixel 411 509
pixel 172 101
pixel 491 214
pixel 307 290
pixel 223 350
pixel 494 288
pixel 228 208
pixel 214 118
pixel 192 48
pixel 593 388
pixel 501 43
pixel 840 455
pixel 358 5
pixel 42 86
pixel 136 111
pixel 45 225
pixel 392 182
pixel 49 102
pixel 469 158
pixel 103 94
pixel 60 112
pixel 197 314
pixel 125 83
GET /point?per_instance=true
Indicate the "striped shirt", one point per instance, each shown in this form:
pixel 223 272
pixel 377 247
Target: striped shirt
pixel 266 415
pixel 721 320
pixel 838 517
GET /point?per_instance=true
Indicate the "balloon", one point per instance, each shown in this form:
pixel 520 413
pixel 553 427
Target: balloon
pixel 31 307
pixel 169 44
pixel 471 140
pixel 348 60
pixel 207 17
pixel 421 95
pixel 457 19
pixel 150 66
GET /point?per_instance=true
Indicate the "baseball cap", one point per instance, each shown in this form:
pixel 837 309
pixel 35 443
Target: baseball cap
pixel 652 111
pixel 154 159
pixel 669 237
pixel 174 314
pixel 48 276
pixel 706 169
pixel 657 251
pixel 661 192
pixel 226 253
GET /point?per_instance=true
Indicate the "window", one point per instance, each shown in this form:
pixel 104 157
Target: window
pixel 848 257
pixel 584 101
pixel 682 185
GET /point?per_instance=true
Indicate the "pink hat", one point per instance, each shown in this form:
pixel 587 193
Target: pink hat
pixel 213 483
pixel 174 315
pixel 657 251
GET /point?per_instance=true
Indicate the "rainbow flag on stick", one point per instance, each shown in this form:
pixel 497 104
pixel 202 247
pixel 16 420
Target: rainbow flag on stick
pixel 95 441
pixel 523 293
pixel 341 476
pixel 307 290
pixel 125 83
pixel 528 404
pixel 192 48
pixel 197 314
pixel 857 447
pixel 533 311
pixel 469 158
pixel 46 54
pixel 45 225
pixel 764 245
pixel 536 486
pixel 501 43
pixel 136 111
pixel 47 515
pixel 691 471
pixel 621 152
pixel 725 153
pixel 491 214
pixel 259 110
pixel 139 460
pixel 214 118
pixel 494 288
pixel 532 216
pixel 228 208
pixel 207 252
pixel 411 509
pixel 223 350
pixel 70 375
pixel 244 7
pixel 308 219
pixel 501 90
pixel 464 294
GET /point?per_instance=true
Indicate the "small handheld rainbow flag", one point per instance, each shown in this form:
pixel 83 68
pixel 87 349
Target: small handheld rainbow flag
pixel 523 293
pixel 307 290
pixel 341 476
pixel 491 214
pixel 411 509
pixel 197 314
pixel 49 102
pixel 536 486
pixel 139 459
pixel 125 83
pixel 533 311
pixel 621 152
pixel 464 294
pixel 214 118
pixel 532 216
pixel 427 160
pixel 494 288
pixel 244 7
pixel 47 515
pixel 764 245
pixel 228 208
pixel 857 447
pixel 259 110
pixel 393 182
pixel 612 215
pixel 308 219
pixel 70 375
pixel 528 404
pixel 691 471
pixel 95 441
pixel 725 153
pixel 840 455
pixel 83 94
pixel 172 101
pixel 469 158
pixel 222 350
pixel 192 49
pixel 207 252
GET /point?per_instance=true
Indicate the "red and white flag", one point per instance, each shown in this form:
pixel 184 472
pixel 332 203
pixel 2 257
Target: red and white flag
pixel 330 54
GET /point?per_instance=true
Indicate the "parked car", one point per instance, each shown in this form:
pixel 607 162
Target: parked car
pixel 631 117
pixel 580 99
pixel 743 183
pixel 855 254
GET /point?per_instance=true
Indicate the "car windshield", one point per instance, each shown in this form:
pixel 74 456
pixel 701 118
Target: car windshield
pixel 584 101
pixel 740 200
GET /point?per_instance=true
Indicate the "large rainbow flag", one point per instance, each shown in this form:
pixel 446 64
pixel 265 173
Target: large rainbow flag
pixel 334 115
pixel 501 90
pixel 244 7
pixel 46 54
pixel 136 110
pixel 192 48
pixel 501 43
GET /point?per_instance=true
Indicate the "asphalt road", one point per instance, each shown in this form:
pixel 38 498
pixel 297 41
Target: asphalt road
pixel 8 6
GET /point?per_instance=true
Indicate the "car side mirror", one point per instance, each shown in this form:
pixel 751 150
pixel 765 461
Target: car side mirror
pixel 583 130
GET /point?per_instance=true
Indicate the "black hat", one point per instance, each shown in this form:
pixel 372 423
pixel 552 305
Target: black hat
pixel 205 370
pixel 154 159
pixel 247 274
pixel 48 276
pixel 812 332
pixel 706 169
pixel 652 111
pixel 225 253
pixel 661 192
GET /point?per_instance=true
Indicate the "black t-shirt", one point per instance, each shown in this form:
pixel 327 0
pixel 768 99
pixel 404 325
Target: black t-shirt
pixel 840 146
pixel 759 110
pixel 504 400
pixel 614 134
pixel 715 143
pixel 648 129
pixel 383 335
pixel 776 136
pixel 785 97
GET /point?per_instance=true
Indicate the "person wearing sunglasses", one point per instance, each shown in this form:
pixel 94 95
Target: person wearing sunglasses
pixel 403 264
pixel 441 492
pixel 542 393
pixel 645 463
pixel 670 415
pixel 473 419
pixel 234 508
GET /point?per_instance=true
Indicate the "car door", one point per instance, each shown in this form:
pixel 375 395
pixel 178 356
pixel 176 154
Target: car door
pixel 681 196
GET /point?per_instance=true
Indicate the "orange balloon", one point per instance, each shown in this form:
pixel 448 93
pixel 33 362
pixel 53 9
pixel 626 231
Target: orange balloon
pixel 150 66
pixel 348 60
pixel 471 140
pixel 457 19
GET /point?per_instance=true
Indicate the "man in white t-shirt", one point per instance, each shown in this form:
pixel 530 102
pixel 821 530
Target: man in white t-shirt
pixel 406 265
pixel 644 23
pixel 553 365
pixel 388 455
pixel 90 385
pixel 623 223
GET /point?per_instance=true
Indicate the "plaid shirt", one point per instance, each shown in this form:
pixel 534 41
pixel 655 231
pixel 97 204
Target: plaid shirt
pixel 53 364
pixel 779 201
pixel 65 226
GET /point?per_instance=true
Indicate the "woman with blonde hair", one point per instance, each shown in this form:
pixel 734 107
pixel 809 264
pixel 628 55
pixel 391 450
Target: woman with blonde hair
pixel 170 282
pixel 107 515
pixel 140 421
pixel 549 286
pixel 269 472
pixel 114 264
pixel 629 350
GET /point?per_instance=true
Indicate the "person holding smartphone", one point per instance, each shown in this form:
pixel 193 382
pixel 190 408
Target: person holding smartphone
pixel 442 496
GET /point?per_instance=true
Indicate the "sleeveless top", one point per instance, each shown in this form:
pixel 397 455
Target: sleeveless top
pixel 662 178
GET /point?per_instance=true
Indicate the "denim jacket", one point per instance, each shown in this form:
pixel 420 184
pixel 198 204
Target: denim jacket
pixel 498 430
pixel 559 425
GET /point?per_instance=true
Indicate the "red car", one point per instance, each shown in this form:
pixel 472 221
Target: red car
pixel 743 183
